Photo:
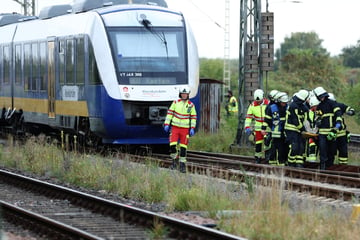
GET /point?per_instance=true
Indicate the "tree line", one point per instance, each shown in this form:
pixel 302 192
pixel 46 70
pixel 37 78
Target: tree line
pixel 302 62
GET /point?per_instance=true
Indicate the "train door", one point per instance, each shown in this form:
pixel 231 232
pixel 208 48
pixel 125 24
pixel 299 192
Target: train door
pixel 51 78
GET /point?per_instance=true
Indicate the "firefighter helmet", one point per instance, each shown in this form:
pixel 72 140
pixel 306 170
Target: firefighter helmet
pixel 258 95
pixel 302 94
pixel 314 101
pixel 319 91
pixel 184 90
pixel 272 94
pixel 282 97
pixel 332 97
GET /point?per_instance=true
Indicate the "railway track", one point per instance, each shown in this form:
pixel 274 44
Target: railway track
pixel 62 213
pixel 336 185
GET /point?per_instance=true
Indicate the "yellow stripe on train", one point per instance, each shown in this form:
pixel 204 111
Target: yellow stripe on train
pixel 70 108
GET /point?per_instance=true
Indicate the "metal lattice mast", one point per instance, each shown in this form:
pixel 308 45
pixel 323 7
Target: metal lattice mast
pixel 226 71
pixel 256 55
pixel 249 71
pixel 28 7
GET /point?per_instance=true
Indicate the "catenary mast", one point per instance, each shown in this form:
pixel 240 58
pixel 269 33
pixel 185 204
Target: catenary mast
pixel 256 56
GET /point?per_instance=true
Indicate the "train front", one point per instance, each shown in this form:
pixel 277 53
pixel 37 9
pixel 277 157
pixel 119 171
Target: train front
pixel 154 54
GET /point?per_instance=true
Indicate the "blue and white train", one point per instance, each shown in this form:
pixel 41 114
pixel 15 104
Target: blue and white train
pixel 105 73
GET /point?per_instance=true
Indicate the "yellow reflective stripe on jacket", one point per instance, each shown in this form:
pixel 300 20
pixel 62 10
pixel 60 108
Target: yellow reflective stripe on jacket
pixel 181 114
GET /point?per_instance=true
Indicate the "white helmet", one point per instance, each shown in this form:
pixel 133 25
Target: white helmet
pixel 258 95
pixel 184 90
pixel 282 97
pixel 319 91
pixel 272 94
pixel 302 94
pixel 314 101
pixel 332 97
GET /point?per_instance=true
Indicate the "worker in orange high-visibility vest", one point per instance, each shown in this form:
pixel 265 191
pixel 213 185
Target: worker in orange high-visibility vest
pixel 256 114
pixel 181 118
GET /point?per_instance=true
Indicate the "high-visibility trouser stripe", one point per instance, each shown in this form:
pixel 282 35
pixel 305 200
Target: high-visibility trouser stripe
pixel 299 159
pixel 273 162
pixel 343 160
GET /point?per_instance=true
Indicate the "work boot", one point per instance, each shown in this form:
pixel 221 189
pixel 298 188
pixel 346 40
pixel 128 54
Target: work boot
pixel 257 160
pixel 182 167
pixel 299 165
pixel 173 165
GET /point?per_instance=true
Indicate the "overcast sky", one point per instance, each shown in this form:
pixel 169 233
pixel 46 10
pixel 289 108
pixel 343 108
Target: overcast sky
pixel 334 21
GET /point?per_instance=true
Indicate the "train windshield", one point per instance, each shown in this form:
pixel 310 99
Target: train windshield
pixel 149 56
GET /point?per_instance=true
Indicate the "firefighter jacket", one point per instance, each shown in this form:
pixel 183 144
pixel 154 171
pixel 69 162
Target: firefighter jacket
pixel 181 114
pixel 256 112
pixel 275 119
pixel 344 108
pixel 232 105
pixel 329 113
pixel 295 115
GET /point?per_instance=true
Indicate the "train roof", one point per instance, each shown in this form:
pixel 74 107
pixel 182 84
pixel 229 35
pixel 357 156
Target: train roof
pixel 9 18
pixel 54 11
pixel 77 7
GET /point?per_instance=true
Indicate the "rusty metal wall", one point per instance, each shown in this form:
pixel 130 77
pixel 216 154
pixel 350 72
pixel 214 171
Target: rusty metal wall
pixel 210 101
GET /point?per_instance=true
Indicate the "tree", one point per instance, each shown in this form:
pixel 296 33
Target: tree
pixel 351 56
pixel 303 63
pixel 301 40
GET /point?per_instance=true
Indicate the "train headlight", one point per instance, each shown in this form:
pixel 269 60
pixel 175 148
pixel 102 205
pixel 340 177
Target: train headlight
pixel 154 113
pixel 157 113
pixel 137 114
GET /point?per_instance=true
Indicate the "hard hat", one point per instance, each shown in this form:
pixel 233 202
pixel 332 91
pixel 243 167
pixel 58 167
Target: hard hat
pixel 314 101
pixel 272 94
pixel 282 97
pixel 258 95
pixel 319 91
pixel 302 94
pixel 332 97
pixel 184 90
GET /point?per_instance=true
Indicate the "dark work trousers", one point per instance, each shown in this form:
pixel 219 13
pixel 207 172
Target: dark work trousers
pixel 281 150
pixel 327 152
pixel 296 148
pixel 342 147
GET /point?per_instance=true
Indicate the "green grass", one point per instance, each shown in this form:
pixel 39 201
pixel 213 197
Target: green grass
pixel 259 212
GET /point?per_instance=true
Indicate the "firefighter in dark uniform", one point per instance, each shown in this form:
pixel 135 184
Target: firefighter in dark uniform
pixel 295 115
pixel 268 146
pixel 329 124
pixel 343 135
pixel 275 121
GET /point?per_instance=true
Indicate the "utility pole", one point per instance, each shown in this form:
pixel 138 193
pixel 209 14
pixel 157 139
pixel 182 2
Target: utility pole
pixel 28 7
pixel 256 55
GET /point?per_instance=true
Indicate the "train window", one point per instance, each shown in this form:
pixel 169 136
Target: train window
pixel 18 64
pixel 6 64
pixel 1 65
pixel 149 57
pixel 94 77
pixel 43 66
pixel 62 61
pixel 35 66
pixel 70 62
pixel 27 66
pixel 80 60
